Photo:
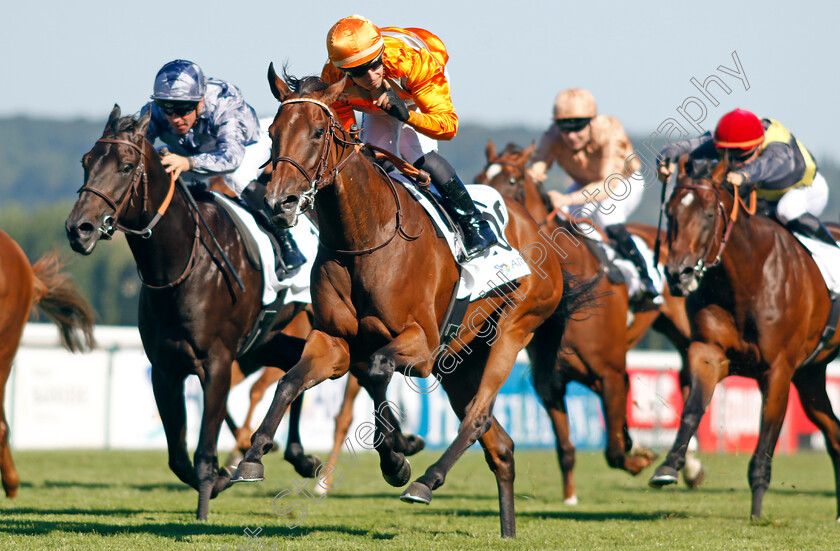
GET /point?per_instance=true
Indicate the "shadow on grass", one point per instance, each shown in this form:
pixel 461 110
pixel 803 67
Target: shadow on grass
pixel 682 490
pixel 170 530
pixel 566 515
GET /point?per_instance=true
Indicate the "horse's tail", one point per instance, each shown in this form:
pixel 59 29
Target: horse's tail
pixel 60 299
pixel 579 296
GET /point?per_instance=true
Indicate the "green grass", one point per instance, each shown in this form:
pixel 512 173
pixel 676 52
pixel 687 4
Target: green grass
pixel 130 501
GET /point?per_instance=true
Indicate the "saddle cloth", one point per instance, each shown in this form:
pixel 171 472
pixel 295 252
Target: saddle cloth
pixel 297 283
pixel 631 275
pixel 827 259
pixel 498 265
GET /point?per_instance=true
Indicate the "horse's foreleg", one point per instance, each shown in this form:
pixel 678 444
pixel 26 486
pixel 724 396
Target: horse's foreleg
pixel 9 474
pixel 169 397
pixel 404 350
pixel 810 384
pixel 323 357
pixel 305 465
pixel 270 375
pixel 615 386
pixel 775 390
pixel 708 367
pixel 216 385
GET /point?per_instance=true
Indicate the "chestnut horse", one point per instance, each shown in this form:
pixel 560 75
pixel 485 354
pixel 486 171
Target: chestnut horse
pixel 381 285
pixel 589 355
pixel 758 306
pixel 200 295
pixel 21 286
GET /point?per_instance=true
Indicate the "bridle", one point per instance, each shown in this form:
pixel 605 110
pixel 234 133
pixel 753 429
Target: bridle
pixel 110 223
pixel 324 176
pixel 723 221
pixel 518 181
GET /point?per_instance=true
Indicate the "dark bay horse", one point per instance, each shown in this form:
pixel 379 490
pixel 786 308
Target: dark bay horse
pixel 758 305
pixel 21 286
pixel 193 316
pixel 381 284
pixel 595 345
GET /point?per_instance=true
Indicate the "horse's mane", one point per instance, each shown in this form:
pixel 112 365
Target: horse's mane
pixel 304 85
pixel 700 168
pixel 511 149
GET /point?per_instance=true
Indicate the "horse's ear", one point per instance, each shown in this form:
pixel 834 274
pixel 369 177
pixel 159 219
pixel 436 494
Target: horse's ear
pixel 278 88
pixel 490 151
pixel 329 95
pixel 682 162
pixel 529 151
pixel 113 118
pixel 143 125
pixel 719 172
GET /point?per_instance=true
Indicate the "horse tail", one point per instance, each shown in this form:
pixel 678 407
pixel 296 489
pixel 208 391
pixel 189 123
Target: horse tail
pixel 60 299
pixel 579 296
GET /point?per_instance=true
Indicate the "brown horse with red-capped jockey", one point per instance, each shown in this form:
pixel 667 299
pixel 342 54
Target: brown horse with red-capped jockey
pixel 381 286
pixel 758 307
pixel 590 355
pixel 23 286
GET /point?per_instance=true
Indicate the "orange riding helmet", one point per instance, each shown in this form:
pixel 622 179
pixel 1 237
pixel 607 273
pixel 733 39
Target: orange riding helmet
pixel 739 129
pixel 354 41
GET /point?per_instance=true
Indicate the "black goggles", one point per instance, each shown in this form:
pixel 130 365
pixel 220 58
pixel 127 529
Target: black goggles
pixel 178 108
pixel 572 125
pixel 735 154
pixel 362 70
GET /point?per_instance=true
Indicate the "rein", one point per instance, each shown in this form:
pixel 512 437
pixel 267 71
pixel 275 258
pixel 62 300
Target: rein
pixel 111 223
pixel 325 176
pixel 728 220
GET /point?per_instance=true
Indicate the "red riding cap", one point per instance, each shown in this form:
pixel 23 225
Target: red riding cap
pixel 739 129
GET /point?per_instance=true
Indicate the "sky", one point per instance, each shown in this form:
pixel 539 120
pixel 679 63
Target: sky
pixel 508 60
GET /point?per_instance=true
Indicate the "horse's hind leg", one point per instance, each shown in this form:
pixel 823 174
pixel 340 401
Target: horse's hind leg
pixel 9 474
pixel 775 390
pixel 169 397
pixel 810 384
pixel 498 449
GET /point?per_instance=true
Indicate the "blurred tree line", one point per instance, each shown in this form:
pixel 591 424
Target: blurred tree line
pixel 42 171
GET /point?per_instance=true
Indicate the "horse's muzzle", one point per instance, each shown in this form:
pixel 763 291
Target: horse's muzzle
pixel 82 235
pixel 682 281
pixel 284 212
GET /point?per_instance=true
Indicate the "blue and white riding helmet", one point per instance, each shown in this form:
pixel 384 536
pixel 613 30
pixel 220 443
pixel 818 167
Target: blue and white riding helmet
pixel 179 80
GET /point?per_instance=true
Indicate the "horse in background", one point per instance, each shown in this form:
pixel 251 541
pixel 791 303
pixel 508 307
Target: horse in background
pixel 200 297
pixel 591 354
pixel 23 286
pixel 758 307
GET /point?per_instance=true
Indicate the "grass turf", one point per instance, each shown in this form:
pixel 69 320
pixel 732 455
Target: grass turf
pixel 117 500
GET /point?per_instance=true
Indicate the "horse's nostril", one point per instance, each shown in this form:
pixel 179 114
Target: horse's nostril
pixel 290 201
pixel 85 228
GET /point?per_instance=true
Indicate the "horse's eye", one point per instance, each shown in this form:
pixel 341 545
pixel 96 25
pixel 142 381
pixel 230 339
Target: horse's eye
pixel 126 167
pixel 710 215
pixel 319 133
pixel 512 181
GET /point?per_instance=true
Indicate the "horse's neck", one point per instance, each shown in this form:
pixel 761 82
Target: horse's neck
pixel 534 203
pixel 358 211
pixel 747 249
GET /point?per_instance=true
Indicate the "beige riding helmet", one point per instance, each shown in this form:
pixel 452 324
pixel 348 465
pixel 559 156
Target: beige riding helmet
pixel 575 103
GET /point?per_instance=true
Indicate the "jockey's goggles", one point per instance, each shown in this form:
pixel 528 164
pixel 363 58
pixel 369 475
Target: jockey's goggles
pixel 735 154
pixel 177 108
pixel 572 125
pixel 362 70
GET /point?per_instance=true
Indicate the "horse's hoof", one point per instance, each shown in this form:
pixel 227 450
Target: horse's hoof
pixel 414 444
pixel 308 466
pixel 248 471
pixel 417 493
pixel 644 453
pixel 222 482
pixel 402 476
pixel 663 476
pixel 570 501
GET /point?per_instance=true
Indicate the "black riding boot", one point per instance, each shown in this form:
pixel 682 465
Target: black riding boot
pixel 253 197
pixel 627 248
pixel 612 271
pixel 811 226
pixel 478 236
pixel 458 204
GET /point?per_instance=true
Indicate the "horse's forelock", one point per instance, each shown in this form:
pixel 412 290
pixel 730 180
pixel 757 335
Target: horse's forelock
pixel 511 149
pixel 305 85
